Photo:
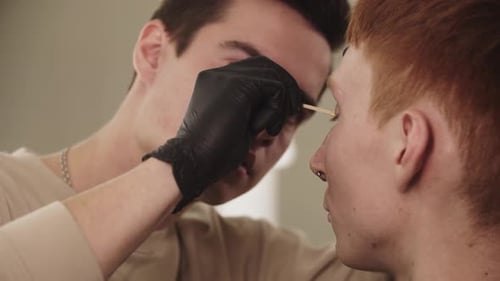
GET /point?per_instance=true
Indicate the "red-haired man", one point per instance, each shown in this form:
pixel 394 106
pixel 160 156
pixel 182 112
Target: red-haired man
pixel 413 161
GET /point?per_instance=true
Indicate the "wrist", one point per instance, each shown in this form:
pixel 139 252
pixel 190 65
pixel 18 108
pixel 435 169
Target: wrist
pixel 161 182
pixel 184 165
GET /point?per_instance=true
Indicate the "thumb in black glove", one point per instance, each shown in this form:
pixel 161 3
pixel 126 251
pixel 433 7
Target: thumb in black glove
pixel 229 107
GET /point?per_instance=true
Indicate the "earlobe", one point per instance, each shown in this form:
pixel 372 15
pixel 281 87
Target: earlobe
pixel 147 51
pixel 416 139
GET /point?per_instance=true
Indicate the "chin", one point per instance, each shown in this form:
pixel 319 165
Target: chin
pixel 362 257
pixel 350 259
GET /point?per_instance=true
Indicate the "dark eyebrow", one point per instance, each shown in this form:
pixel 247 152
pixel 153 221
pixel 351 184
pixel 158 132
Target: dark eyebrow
pixel 248 48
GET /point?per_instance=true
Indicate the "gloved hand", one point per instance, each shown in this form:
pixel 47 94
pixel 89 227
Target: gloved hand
pixel 229 107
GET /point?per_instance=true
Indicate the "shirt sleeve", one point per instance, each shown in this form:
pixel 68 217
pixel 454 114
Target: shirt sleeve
pixel 46 244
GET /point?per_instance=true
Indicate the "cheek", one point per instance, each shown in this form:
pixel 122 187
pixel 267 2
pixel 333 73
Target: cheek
pixel 161 113
pixel 352 153
pixel 359 193
pixel 267 156
pixel 343 154
pixel 349 170
pixel 285 136
pixel 279 147
pixel 169 106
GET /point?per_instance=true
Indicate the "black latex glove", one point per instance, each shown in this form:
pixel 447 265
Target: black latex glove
pixel 229 107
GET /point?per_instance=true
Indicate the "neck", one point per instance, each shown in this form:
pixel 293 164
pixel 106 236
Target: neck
pixel 110 152
pixel 100 158
pixel 107 154
pixel 447 249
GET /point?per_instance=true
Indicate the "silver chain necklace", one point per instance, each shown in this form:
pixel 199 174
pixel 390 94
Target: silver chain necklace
pixel 64 167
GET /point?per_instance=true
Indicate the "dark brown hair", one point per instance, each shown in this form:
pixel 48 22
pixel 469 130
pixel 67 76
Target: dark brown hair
pixel 184 18
pixel 447 51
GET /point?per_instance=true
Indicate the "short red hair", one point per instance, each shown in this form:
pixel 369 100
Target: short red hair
pixel 447 51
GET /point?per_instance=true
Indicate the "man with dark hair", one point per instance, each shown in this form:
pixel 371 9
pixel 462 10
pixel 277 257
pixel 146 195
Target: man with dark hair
pixel 418 111
pixel 101 208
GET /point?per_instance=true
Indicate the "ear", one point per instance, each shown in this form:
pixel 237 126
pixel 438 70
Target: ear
pixel 416 140
pixel 147 50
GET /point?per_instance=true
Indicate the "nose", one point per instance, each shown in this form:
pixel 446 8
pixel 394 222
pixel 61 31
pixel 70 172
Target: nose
pixel 317 163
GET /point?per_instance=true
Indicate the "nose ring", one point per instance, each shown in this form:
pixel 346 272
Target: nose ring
pixel 320 175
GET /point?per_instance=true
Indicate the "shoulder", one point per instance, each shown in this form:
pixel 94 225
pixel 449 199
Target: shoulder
pixel 202 224
pixel 26 184
pixel 274 252
pixel 207 220
pixel 14 165
pixel 11 169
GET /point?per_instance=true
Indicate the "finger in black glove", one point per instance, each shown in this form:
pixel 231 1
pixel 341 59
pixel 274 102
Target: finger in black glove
pixel 229 107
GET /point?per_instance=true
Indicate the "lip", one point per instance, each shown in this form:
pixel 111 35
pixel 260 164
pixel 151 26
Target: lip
pixel 328 216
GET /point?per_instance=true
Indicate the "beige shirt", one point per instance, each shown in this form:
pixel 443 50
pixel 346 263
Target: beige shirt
pixel 39 240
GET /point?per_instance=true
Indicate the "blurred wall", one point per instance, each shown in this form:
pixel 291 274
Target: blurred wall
pixel 301 192
pixel 66 65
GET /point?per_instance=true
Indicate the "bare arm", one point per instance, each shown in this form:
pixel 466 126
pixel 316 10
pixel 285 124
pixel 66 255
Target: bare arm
pixel 118 215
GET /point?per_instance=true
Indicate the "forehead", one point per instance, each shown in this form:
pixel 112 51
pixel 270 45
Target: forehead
pixel 353 77
pixel 283 35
